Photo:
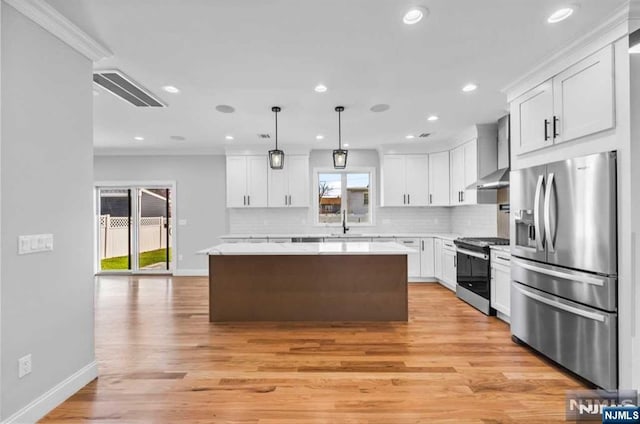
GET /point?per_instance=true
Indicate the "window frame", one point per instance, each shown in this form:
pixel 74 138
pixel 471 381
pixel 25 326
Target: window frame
pixel 343 172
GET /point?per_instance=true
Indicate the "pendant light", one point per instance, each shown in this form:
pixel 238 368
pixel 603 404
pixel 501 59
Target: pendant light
pixel 276 157
pixel 340 155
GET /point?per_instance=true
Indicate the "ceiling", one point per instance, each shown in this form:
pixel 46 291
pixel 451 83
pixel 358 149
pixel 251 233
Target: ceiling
pixel 253 54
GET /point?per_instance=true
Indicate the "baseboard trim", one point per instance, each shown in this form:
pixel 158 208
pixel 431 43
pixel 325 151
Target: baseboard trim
pixel 191 272
pixel 44 404
pixel 422 280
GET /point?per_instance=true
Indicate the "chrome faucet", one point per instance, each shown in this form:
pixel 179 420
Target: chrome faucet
pixel 344 222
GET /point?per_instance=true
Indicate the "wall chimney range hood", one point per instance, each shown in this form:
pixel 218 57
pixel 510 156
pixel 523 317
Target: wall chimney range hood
pixel 499 178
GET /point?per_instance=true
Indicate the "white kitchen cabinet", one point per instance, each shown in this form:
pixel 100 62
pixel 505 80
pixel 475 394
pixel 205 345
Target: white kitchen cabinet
pixel 247 181
pixel 531 116
pixel 427 263
pixel 577 102
pixel 289 187
pixel 464 172
pixel 413 259
pixel 501 282
pixel 457 175
pixel 437 256
pixel 439 179
pixel 449 275
pixel 583 97
pixel 405 180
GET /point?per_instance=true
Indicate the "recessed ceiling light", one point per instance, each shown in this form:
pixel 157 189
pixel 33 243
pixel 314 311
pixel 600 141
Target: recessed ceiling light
pixel 171 89
pixel 225 109
pixel 320 88
pixel 346 144
pixel 560 15
pixel 414 15
pixel 138 138
pixel 410 136
pixel 381 107
pixel 319 137
pixel 469 87
pixel 433 118
pixel 228 137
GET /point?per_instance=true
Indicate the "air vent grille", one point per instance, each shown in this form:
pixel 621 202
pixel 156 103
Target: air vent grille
pixel 424 135
pixel 125 88
pixel 264 136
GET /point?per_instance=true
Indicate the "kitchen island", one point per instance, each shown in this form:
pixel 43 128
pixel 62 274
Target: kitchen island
pixel 349 281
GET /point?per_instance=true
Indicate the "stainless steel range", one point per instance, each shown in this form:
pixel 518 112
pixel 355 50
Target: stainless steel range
pixel 473 271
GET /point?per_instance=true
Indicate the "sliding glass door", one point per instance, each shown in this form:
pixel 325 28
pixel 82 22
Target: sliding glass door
pixel 134 229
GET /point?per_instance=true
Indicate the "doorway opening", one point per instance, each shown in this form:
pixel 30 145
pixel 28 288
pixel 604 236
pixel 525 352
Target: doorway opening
pixel 135 229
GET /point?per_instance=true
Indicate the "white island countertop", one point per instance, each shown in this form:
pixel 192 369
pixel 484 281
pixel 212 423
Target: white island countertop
pixel 344 248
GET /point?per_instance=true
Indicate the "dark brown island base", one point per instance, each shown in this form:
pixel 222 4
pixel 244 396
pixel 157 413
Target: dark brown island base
pixel 308 282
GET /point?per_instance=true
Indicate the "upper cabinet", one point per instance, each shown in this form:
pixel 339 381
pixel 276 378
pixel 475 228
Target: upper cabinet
pixel 405 180
pixel 289 187
pixel 575 103
pixel 247 181
pixel 470 161
pixel 438 179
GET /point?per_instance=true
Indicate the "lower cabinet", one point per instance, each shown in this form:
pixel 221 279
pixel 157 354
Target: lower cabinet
pixel 501 282
pixel 413 259
pixel 437 258
pixel 427 259
pixel 449 259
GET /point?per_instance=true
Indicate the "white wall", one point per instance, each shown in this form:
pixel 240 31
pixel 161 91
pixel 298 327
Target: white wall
pixel 199 198
pixel 46 186
pixel 635 221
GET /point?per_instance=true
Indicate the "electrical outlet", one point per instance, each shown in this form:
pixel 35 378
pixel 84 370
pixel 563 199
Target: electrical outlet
pixel 24 366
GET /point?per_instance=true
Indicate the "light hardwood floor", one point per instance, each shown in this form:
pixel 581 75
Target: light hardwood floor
pixel 161 361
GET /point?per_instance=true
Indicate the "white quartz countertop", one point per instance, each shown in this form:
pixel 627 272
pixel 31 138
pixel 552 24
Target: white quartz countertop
pixel 344 248
pixel 506 249
pixel 446 236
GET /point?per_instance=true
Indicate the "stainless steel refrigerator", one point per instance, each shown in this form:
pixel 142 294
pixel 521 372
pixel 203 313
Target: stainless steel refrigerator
pixel 564 267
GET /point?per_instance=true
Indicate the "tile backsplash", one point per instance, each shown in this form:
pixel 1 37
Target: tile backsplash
pixel 477 220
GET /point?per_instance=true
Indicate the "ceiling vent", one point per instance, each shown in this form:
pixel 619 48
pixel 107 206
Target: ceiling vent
pixel 424 135
pixel 264 136
pixel 125 88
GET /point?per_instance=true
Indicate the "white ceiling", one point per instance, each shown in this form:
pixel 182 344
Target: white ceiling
pixel 253 54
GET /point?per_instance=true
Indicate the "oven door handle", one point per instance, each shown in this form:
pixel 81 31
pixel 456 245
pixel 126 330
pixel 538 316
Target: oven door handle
pixel 474 254
pixel 567 308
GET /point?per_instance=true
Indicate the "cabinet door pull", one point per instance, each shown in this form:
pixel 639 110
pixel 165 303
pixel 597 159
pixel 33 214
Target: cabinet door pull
pixel 462 193
pixel 422 241
pixel 430 198
pixel 244 200
pixel 289 200
pixel 546 129
pixel 404 199
pixel 503 258
pixel 556 121
pixel 248 200
pixel 408 199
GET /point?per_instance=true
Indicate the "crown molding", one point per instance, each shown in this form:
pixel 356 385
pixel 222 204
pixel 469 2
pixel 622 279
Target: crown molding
pixel 611 29
pixel 43 14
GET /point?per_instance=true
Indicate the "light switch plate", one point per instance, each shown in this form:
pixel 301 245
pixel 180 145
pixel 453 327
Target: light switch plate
pixel 182 222
pixel 35 243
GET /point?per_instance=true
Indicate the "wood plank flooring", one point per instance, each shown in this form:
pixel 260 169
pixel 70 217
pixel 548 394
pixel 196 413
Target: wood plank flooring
pixel 161 361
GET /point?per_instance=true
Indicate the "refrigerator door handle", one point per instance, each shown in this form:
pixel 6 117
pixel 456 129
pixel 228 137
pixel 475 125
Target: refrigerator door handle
pixel 567 308
pixel 536 214
pixel 559 274
pixel 547 213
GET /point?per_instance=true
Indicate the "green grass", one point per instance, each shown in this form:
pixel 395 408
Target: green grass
pixel 146 259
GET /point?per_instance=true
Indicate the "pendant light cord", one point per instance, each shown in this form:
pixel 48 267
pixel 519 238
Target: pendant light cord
pixel 339 131
pixel 276 112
